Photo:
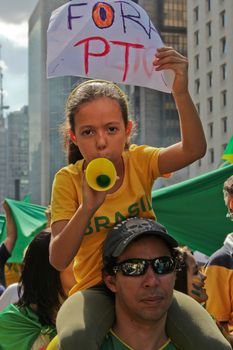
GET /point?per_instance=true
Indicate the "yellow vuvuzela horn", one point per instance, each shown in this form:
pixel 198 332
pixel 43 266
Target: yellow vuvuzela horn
pixel 101 174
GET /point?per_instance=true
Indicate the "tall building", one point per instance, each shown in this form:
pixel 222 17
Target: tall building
pixel 3 156
pixel 46 107
pixel 17 147
pixel 210 48
pixel 155 112
pixel 3 162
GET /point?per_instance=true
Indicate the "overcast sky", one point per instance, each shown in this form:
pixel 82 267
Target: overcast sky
pixel 14 15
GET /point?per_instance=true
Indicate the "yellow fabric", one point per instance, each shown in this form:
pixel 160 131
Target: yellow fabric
pixel 219 284
pixel 133 198
pixel 12 273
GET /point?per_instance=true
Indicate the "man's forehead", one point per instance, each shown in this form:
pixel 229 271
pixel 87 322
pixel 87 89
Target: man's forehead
pixel 145 243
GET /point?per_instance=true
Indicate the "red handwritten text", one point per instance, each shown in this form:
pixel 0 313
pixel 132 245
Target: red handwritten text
pixel 106 51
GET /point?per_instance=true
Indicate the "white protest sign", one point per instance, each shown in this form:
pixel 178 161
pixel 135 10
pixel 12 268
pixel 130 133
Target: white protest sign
pixel 112 40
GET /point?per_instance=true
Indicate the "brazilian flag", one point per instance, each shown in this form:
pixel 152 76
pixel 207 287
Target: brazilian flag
pixel 228 153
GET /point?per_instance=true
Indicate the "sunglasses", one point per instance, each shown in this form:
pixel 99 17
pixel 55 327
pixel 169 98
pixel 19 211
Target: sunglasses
pixel 138 267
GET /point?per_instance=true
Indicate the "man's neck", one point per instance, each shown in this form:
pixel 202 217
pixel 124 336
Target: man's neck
pixel 141 335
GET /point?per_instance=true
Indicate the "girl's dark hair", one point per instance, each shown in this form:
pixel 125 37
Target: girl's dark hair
pixel 88 91
pixel 40 282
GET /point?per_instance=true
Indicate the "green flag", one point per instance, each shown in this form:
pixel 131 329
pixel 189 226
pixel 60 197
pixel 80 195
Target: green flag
pixel 30 219
pixel 194 211
pixel 228 153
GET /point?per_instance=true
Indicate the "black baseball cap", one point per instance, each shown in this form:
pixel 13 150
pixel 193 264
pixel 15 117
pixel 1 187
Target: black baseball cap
pixel 122 234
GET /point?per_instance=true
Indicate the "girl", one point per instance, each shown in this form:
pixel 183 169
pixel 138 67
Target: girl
pixel 190 279
pixel 97 125
pixel 30 322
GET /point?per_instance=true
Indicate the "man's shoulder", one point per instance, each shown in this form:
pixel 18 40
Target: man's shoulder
pixel 222 257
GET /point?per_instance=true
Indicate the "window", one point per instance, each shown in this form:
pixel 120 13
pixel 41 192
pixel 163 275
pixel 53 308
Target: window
pixel 223 45
pixel 199 162
pixel 223 71
pixel 210 104
pixel 211 155
pixel 222 19
pixel 209 54
pixel 196 61
pixel 197 86
pixel 208 5
pixel 209 79
pixel 211 129
pixel 196 37
pixel 224 97
pixel 224 124
pixel 208 28
pixel 198 107
pixel 196 13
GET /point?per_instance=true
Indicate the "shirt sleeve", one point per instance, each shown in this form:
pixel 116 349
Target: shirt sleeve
pixel 64 200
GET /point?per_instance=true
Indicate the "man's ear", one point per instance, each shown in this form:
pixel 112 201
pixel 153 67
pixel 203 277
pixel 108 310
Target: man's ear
pixel 72 136
pixel 129 128
pixel 110 282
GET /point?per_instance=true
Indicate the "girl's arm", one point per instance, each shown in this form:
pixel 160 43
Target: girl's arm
pixel 11 230
pixel 193 144
pixel 67 235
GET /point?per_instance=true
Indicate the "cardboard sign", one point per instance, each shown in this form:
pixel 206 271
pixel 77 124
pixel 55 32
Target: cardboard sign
pixel 112 40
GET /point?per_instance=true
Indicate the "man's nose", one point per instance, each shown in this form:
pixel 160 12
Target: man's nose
pixel 151 278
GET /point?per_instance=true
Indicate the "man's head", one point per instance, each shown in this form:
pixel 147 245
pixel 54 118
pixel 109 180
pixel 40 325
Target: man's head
pixel 228 195
pixel 139 267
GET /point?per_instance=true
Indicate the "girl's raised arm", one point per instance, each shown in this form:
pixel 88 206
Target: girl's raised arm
pixel 193 143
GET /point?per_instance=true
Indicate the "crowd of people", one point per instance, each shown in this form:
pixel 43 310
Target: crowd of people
pixel 130 286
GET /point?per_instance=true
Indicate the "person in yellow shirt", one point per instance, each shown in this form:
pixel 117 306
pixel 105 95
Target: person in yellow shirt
pixel 219 273
pixel 97 125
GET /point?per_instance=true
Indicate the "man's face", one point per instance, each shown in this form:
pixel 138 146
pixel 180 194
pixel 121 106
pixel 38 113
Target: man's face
pixel 143 299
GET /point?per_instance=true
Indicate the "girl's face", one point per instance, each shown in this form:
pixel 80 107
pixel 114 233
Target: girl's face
pixel 100 130
pixel 196 280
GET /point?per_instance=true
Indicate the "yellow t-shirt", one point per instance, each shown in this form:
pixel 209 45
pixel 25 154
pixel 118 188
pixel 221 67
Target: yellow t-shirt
pixel 133 198
pixel 219 285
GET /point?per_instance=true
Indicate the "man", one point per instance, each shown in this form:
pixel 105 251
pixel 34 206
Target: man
pixel 219 272
pixel 140 262
pixel 7 246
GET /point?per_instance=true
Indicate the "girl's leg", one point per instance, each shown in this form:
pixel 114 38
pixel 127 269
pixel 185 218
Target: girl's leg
pixel 85 318
pixel 191 327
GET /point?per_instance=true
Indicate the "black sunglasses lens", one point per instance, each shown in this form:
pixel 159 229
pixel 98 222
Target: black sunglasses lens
pixel 133 268
pixel 164 265
pixel 138 267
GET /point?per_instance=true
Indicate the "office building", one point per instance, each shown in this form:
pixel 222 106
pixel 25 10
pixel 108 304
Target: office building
pixel 210 48
pixel 46 107
pixel 17 147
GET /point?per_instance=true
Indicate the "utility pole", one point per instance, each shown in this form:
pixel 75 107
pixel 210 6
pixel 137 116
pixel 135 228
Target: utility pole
pixel 2 106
